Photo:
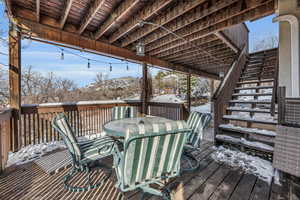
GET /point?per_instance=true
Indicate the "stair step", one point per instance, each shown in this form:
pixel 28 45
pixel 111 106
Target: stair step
pixel 250 101
pixel 256 81
pixel 249 119
pixel 255 76
pixel 251 110
pixel 231 127
pixel 258 72
pixel 252 78
pixel 252 94
pixel 254 87
pixel 245 143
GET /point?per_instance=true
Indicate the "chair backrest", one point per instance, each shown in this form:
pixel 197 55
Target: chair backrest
pixel 121 112
pixel 197 122
pixel 61 125
pixel 152 152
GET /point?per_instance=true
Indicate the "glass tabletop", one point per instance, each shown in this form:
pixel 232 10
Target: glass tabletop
pixel 117 128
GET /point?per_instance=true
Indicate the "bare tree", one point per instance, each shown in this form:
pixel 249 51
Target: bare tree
pixel 4 93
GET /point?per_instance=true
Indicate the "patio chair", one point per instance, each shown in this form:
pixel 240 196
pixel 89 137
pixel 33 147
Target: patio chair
pixel 151 155
pixel 121 112
pixel 85 155
pixel 197 122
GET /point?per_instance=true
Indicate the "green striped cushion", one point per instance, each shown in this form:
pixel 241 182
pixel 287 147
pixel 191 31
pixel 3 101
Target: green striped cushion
pixel 61 124
pixel 96 149
pixel 197 122
pixel 121 112
pixel 153 157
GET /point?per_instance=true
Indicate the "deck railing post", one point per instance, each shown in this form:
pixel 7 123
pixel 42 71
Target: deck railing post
pixel 15 81
pixel 145 92
pixel 189 91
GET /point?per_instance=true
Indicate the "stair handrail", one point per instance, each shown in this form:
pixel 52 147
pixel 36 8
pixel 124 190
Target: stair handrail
pixel 225 90
pixel 275 86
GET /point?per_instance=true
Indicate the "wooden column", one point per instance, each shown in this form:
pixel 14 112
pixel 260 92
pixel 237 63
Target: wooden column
pixel 189 92
pixel 145 92
pixel 15 80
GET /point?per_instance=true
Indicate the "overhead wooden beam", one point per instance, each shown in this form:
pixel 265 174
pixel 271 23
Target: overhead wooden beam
pixel 47 31
pixel 90 14
pixel 227 41
pixel 182 21
pixel 114 20
pixel 199 55
pixel 146 13
pixel 181 8
pixel 221 56
pixel 220 21
pixel 211 48
pixel 162 51
pixel 65 13
pixel 38 10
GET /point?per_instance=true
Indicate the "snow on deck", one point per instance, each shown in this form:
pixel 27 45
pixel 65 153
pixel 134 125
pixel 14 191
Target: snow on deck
pixel 245 142
pixel 267 119
pixel 33 152
pixel 206 108
pixel 250 164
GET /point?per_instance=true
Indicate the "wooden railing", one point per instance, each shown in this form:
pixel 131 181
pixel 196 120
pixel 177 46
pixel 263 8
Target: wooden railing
pixel 275 86
pixel 5 129
pixel 86 118
pixel 224 92
pixel 288 109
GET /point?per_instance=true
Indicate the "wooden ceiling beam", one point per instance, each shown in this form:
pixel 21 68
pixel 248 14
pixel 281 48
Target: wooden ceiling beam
pixel 166 50
pixel 8 7
pixel 227 41
pixel 38 7
pixel 217 53
pixel 50 31
pixel 66 10
pixel 186 19
pixel 222 58
pixel 181 8
pixel 90 14
pixel 122 10
pixel 210 47
pixel 219 21
pixel 149 11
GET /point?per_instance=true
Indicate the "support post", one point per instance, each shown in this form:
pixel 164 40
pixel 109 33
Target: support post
pixel 15 81
pixel 189 91
pixel 145 92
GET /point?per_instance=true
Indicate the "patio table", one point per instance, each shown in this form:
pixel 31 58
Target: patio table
pixel 117 128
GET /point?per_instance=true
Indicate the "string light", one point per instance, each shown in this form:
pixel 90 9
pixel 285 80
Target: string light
pixel 127 67
pixel 110 67
pixel 62 56
pixel 89 64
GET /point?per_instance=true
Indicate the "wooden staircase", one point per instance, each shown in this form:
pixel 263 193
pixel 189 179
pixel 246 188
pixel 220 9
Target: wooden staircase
pixel 248 122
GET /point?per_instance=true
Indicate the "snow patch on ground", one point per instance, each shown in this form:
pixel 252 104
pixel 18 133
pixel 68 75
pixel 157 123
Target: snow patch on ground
pixel 33 152
pixel 167 98
pixel 250 164
pixel 206 108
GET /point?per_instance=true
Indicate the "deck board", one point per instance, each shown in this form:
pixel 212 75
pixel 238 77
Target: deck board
pixel 213 181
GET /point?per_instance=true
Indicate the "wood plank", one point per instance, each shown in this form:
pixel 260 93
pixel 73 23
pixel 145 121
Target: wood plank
pixel 226 188
pixel 90 14
pixel 38 10
pixel 146 13
pixel 206 189
pixel 227 41
pixel 118 14
pixel 261 190
pixel 65 13
pixel 244 188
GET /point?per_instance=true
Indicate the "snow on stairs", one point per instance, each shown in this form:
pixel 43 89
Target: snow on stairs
pixel 249 125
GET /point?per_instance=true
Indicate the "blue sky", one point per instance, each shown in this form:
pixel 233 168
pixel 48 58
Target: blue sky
pixel 45 58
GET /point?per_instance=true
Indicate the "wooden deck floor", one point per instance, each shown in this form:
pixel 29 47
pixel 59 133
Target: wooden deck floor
pixel 212 181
